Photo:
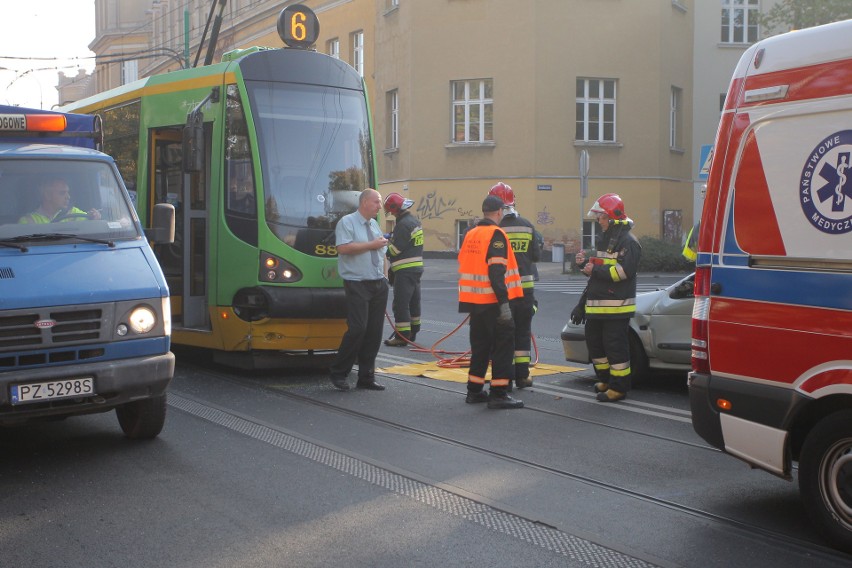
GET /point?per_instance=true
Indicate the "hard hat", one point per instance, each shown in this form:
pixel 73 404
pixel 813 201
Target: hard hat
pixel 610 204
pixel 395 204
pixel 504 192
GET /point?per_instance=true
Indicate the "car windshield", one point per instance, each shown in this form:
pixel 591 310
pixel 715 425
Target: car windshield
pixel 315 156
pixel 62 198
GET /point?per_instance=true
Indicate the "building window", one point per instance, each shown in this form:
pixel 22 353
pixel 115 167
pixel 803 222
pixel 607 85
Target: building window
pixel 473 110
pixel 129 71
pixel 333 48
pixel 591 229
pixel 358 52
pixel 392 5
pixel 393 119
pixel 595 110
pixel 739 21
pixel 673 225
pixel 676 119
pixel 462 227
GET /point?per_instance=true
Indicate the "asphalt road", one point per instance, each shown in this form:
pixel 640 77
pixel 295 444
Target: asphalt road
pixel 277 468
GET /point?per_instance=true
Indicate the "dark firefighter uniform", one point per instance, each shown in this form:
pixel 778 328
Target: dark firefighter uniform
pixel 525 245
pixel 489 278
pixel 405 253
pixel 610 303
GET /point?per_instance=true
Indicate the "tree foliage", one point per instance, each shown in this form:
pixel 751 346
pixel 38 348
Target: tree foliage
pixel 789 15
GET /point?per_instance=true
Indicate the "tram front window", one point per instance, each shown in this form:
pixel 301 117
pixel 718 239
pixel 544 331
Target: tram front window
pixel 315 156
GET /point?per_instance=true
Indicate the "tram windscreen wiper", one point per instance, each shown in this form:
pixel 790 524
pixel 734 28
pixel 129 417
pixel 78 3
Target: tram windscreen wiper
pixel 57 237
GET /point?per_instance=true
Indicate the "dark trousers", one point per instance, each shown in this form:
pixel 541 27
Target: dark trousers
pixel 406 301
pixel 365 303
pixel 522 313
pixel 608 339
pixel 494 343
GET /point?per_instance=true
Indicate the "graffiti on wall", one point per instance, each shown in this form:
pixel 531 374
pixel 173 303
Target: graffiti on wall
pixel 434 207
pixel 544 217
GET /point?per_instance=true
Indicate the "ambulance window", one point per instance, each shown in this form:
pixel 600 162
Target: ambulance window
pixel 755 227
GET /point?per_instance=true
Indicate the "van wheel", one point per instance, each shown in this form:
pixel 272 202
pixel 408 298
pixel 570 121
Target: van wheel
pixel 638 360
pixel 825 478
pixel 142 419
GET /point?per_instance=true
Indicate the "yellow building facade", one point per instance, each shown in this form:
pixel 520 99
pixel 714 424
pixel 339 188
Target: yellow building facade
pixel 465 93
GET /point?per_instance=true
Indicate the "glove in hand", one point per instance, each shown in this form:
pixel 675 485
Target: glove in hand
pixel 578 314
pixel 505 316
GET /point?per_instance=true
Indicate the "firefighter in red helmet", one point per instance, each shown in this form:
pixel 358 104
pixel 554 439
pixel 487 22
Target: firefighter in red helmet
pixel 610 298
pixel 526 246
pixel 405 254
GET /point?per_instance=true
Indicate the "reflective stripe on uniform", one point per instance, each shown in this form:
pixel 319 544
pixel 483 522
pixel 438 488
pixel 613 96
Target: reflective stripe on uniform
pixel 406 263
pixel 475 380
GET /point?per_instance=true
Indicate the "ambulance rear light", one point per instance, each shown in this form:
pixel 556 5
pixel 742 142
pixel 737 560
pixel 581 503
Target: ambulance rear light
pixel 33 123
pixel 700 316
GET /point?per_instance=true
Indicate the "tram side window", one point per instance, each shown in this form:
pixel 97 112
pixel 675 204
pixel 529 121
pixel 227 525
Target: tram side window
pixel 241 198
pixel 121 141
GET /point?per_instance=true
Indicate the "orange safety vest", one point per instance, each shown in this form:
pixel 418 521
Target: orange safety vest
pixel 474 284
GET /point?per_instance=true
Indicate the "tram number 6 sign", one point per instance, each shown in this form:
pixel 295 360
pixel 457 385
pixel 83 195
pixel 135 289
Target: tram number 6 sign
pixel 298 26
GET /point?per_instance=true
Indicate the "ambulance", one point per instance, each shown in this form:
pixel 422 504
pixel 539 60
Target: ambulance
pixel 772 324
pixel 85 318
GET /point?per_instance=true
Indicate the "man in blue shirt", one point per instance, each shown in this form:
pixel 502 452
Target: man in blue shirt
pixel 361 251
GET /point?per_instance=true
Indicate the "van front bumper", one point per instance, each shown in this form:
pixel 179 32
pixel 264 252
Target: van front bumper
pixel 115 382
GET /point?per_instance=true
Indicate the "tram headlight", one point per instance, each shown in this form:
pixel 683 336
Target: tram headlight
pixel 276 269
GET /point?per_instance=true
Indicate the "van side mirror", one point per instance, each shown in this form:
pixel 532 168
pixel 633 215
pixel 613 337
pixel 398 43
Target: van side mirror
pixel 162 231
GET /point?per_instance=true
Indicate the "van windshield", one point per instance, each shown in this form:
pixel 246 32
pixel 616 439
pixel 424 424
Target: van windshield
pixel 75 197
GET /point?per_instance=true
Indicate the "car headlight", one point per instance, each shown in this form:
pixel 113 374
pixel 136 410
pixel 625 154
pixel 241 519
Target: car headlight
pixel 142 319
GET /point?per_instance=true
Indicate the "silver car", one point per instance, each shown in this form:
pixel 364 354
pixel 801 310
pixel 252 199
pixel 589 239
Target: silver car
pixel 660 332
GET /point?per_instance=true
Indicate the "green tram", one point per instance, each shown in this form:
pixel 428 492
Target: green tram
pixel 261 155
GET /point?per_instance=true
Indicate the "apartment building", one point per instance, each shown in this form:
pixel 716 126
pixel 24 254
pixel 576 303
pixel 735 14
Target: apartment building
pixel 465 93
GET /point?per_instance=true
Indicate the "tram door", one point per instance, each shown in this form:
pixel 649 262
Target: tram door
pixel 185 261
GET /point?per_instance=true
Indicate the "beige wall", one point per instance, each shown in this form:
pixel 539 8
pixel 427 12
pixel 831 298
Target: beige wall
pixel 534 56
pixel 534 51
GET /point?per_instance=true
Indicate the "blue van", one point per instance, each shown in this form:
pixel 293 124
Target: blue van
pixel 84 308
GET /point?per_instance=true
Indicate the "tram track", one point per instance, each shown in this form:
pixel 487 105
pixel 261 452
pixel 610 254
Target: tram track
pixel 813 551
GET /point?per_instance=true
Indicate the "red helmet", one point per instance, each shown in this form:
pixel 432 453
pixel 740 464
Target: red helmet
pixel 611 204
pixel 504 192
pixel 395 204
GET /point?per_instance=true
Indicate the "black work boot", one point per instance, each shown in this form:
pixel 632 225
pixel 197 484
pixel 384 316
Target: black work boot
pixel 475 397
pixel 610 396
pixel 501 401
pixel 397 339
pixel 523 383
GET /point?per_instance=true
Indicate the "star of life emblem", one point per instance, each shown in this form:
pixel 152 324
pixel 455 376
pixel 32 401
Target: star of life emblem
pixel 825 187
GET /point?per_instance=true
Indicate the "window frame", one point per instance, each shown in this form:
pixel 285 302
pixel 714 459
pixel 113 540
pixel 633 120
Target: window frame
pixel 392 101
pixel 598 105
pixel 729 27
pixel 357 44
pixel 333 47
pixel 676 119
pixel 484 109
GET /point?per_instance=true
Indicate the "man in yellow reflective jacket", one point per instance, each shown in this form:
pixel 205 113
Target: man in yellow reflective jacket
pixel 56 205
pixel 489 279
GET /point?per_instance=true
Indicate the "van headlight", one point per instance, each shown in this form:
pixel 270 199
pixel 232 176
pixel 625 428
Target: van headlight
pixel 142 319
